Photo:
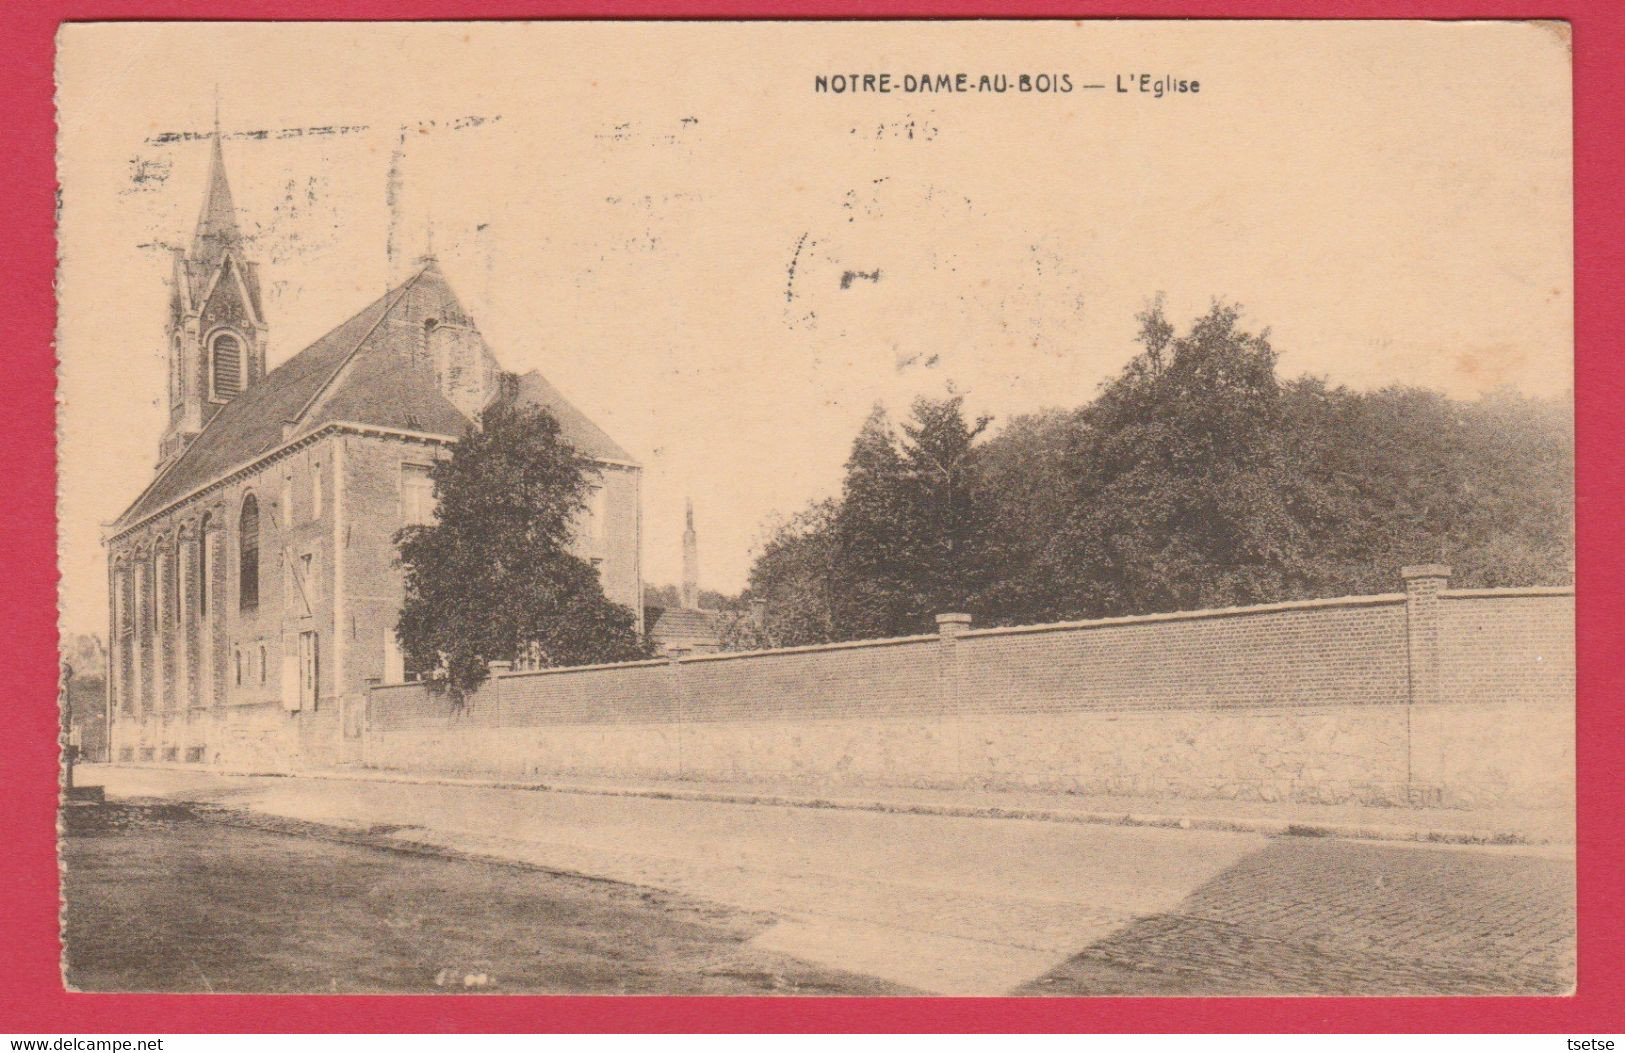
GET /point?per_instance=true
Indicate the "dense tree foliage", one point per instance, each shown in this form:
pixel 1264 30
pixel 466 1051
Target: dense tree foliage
pixel 1183 493
pixel 792 582
pixel 666 596
pixel 909 531
pixel 1195 478
pixel 494 574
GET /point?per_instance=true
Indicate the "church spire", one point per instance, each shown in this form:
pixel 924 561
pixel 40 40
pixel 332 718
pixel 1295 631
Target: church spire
pixel 216 332
pixel 217 223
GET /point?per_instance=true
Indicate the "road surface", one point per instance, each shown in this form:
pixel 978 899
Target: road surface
pixel 989 906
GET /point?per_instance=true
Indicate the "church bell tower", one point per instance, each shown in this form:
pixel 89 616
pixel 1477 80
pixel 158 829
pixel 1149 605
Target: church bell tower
pixel 216 328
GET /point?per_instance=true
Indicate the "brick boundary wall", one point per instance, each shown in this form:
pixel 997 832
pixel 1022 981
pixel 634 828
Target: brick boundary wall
pixel 1431 696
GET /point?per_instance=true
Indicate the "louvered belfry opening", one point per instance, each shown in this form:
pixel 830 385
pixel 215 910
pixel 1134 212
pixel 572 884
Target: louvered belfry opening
pixel 226 365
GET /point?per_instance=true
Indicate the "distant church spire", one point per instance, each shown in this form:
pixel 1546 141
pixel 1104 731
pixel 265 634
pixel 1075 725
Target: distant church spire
pixel 691 561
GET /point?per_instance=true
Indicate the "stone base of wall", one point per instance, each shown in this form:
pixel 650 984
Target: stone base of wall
pixel 1449 756
pixel 1493 754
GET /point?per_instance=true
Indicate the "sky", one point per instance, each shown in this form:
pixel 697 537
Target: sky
pixel 727 269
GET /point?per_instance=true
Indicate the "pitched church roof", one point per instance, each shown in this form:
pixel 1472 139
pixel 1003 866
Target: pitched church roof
pixel 366 371
pixel 583 434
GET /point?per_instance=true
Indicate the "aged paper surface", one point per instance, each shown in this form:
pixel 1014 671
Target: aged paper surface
pixel 1079 457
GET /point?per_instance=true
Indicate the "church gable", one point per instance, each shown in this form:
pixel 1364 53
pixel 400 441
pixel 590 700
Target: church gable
pixel 228 300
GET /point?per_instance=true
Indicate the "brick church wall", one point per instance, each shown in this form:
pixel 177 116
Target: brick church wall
pixel 350 536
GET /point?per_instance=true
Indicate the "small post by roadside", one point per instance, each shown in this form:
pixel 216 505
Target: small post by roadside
pixel 65 708
pixel 70 747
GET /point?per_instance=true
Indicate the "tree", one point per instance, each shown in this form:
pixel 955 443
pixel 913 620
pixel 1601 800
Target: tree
pixel 946 550
pixel 671 596
pixel 910 529
pixel 870 597
pixel 1183 494
pixel 493 575
pixel 1195 478
pixel 793 578
pixel 1407 475
pixel 1025 488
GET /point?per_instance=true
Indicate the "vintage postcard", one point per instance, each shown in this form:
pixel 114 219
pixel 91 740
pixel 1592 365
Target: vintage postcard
pixel 1047 508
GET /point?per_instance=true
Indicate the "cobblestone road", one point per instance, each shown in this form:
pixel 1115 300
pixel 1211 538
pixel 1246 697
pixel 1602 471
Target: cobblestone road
pixel 1338 917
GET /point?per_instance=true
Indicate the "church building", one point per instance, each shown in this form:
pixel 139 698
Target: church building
pixel 253 584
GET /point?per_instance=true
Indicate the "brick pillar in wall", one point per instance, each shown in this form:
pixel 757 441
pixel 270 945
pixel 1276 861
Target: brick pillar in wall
pixel 679 699
pixel 1423 583
pixel 370 684
pixel 949 629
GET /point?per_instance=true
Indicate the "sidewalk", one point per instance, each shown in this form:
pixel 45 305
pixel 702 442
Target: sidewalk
pixel 1553 826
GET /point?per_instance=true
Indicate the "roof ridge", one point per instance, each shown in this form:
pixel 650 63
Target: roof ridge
pixel 349 356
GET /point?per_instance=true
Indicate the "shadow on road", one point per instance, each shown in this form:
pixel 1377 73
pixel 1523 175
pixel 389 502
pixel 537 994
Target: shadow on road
pixel 171 897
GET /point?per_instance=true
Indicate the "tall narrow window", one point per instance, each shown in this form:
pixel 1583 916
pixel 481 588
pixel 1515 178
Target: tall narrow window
pixel 248 563
pixel 203 566
pixel 144 578
pixel 309 669
pixel 161 589
pixel 121 601
pixel 177 584
pixel 226 365
pixel 417 495
pixel 598 513
pixel 177 383
pixel 315 489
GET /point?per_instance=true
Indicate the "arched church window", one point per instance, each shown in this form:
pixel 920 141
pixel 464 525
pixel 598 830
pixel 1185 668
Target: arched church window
pixel 248 565
pixel 226 364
